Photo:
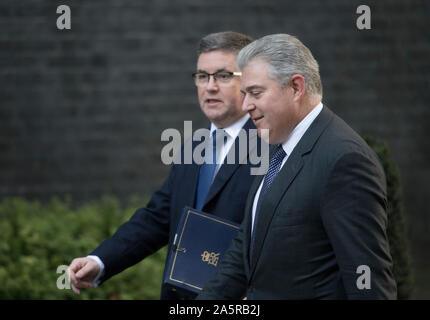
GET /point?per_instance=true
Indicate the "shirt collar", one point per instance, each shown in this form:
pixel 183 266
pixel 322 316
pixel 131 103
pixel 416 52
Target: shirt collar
pixel 298 132
pixel 233 129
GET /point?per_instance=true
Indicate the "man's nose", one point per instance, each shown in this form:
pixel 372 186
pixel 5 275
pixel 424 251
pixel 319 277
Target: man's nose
pixel 212 84
pixel 247 105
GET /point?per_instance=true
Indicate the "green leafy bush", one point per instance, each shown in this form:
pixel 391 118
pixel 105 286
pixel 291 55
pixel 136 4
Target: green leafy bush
pixel 35 239
pixel 396 227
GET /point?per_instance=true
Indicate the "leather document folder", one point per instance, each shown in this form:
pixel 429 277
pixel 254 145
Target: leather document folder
pixel 199 245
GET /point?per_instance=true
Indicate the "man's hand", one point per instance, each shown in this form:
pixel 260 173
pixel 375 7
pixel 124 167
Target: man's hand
pixel 82 272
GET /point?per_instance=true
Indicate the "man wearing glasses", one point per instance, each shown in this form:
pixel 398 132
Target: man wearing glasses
pixel 220 190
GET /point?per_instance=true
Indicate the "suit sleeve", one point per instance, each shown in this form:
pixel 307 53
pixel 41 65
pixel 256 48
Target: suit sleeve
pixel 145 233
pixel 353 210
pixel 230 281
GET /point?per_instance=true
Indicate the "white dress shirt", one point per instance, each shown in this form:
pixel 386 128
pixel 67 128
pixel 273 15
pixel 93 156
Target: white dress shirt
pixel 232 133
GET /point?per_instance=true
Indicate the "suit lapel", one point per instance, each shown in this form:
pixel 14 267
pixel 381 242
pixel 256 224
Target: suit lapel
pixel 227 170
pixel 283 181
pixel 192 181
pixel 271 200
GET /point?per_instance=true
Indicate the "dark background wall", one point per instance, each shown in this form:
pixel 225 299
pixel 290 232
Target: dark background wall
pixel 82 110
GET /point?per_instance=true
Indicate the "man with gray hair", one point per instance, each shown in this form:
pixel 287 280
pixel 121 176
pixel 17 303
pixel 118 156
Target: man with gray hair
pixel 221 192
pixel 315 224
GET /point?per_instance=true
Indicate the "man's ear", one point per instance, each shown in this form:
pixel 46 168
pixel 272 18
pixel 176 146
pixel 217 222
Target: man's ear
pixel 297 83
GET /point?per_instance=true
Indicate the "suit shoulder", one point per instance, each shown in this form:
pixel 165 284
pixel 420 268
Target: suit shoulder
pixel 339 140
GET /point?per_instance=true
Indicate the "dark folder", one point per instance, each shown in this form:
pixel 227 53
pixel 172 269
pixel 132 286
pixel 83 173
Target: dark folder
pixel 200 243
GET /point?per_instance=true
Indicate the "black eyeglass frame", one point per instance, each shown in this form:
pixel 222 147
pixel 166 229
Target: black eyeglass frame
pixel 215 74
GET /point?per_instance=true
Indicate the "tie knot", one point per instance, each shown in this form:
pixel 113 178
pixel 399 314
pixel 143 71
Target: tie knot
pixel 278 155
pixel 219 139
pixel 215 146
pixel 219 135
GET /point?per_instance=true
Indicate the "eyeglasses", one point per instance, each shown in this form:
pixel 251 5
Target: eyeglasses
pixel 201 79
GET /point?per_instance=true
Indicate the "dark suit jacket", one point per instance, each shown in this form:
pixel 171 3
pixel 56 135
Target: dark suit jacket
pixel 323 217
pixel 153 227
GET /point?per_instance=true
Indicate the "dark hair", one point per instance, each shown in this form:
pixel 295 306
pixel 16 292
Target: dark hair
pixel 226 41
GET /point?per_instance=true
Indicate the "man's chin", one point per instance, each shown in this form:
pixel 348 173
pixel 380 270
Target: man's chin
pixel 216 118
pixel 263 134
pixel 222 117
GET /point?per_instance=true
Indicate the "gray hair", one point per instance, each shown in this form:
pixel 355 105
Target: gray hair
pixel 227 41
pixel 286 56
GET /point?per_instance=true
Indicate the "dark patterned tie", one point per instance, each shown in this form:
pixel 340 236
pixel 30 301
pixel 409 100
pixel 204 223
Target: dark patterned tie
pixel 274 166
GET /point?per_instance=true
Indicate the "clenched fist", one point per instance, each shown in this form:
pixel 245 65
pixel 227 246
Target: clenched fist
pixel 82 272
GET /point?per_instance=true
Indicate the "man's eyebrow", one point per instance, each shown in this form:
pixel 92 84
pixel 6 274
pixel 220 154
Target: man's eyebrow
pixel 253 87
pixel 219 70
